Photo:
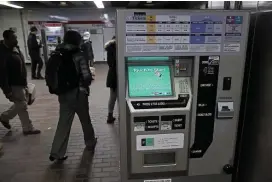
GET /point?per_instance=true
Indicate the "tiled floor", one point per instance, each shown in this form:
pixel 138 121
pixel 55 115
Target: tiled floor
pixel 25 159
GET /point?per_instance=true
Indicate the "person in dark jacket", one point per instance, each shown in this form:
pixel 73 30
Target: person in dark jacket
pixel 34 53
pixel 14 83
pixel 75 100
pixel 59 40
pixel 87 48
pixel 110 47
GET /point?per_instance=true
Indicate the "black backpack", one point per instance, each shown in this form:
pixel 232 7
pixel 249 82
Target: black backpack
pixel 61 74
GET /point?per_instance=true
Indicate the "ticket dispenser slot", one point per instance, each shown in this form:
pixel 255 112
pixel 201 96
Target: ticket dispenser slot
pixel 225 110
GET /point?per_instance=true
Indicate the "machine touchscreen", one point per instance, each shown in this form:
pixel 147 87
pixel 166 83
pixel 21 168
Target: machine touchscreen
pixel 52 39
pixel 149 81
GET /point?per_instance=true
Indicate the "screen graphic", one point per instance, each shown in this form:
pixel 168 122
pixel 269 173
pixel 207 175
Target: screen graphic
pixel 149 81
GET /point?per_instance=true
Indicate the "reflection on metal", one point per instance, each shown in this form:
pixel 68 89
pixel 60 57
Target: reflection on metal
pixel 257 5
pixel 227 5
pixel 254 164
pixel 247 5
pixel 220 5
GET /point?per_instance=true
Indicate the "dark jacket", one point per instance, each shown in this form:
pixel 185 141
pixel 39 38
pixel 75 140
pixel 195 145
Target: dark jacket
pixel 72 52
pixel 33 46
pixel 110 47
pixel 87 49
pixel 12 68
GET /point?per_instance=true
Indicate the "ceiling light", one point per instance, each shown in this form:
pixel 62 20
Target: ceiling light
pixel 59 17
pixel 63 3
pixel 6 3
pixel 106 16
pixel 148 2
pixel 99 4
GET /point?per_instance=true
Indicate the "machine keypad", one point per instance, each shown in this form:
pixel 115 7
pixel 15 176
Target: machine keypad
pixel 184 86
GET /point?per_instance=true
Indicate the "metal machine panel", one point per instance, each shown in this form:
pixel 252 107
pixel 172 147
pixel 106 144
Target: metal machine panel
pixel 214 43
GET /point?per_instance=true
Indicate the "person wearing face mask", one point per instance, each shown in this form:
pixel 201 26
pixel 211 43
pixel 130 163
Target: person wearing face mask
pixel 13 82
pixel 34 53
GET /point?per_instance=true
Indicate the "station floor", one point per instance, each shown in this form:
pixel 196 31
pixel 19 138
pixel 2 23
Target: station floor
pixel 25 158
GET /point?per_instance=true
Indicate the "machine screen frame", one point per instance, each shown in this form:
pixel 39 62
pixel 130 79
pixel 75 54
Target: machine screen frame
pixel 155 63
pixel 49 39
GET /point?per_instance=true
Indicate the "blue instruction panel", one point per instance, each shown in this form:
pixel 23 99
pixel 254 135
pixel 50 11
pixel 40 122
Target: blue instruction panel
pixel 182 33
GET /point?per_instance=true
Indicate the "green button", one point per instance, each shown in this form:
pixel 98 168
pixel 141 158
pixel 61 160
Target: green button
pixel 149 141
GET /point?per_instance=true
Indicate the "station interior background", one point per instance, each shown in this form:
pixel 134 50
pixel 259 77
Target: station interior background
pixel 26 158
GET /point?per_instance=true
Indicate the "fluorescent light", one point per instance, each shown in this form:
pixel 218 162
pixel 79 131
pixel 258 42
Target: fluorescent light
pixel 59 17
pixel 6 3
pixel 99 4
pixel 106 16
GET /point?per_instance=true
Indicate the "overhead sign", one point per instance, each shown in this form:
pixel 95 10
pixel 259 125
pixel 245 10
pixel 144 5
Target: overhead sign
pixel 52 24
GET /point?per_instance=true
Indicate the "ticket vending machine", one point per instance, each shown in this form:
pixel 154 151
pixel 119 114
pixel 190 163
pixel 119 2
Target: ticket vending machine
pixel 180 77
pixel 51 42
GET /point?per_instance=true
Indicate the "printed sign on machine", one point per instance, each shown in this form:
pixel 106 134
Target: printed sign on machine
pixel 159 141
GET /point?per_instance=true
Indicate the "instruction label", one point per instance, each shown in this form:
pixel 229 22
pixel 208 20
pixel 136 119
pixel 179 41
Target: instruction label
pixel 177 33
pixel 160 141
pixel 159 180
pixel 146 123
pixel 232 47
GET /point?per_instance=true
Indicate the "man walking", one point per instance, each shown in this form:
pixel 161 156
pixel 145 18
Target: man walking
pixel 14 83
pixel 69 77
pixel 34 53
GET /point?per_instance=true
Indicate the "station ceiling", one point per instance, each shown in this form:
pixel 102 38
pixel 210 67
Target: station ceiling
pixel 111 4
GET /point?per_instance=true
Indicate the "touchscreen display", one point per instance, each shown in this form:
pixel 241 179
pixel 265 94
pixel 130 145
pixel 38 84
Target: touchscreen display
pixel 149 81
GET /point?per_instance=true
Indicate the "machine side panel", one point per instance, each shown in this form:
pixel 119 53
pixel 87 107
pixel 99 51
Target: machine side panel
pixel 120 31
pixel 221 150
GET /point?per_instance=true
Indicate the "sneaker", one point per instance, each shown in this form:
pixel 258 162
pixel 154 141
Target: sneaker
pixel 51 158
pixel 5 124
pixel 110 119
pixel 40 77
pixel 92 147
pixel 32 132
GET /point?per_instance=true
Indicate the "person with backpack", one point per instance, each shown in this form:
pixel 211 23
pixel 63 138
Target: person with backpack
pixel 110 47
pixel 68 76
pixel 14 84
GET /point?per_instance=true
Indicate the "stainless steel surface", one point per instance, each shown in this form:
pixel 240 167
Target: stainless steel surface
pixel 220 151
pixel 256 154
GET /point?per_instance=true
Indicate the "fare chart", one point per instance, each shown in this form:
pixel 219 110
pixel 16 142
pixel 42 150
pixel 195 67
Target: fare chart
pixel 183 33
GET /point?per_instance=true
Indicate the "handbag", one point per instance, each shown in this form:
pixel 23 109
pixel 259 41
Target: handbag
pixel 31 93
